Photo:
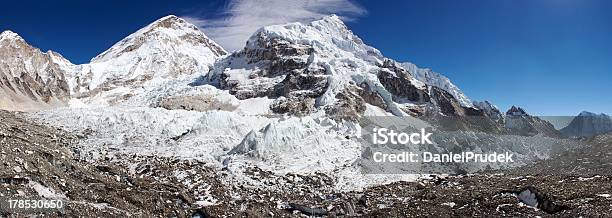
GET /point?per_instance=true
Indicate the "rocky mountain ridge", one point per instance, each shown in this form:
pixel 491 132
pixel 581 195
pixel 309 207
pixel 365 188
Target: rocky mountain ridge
pixel 29 78
pixel 324 66
pixel 588 124
pixel 520 122
pixel 167 49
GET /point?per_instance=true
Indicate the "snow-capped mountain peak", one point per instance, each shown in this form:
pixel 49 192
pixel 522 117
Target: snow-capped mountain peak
pixel 163 31
pixel 591 114
pixel 29 78
pixel 328 34
pixel 167 49
pixel 322 65
pixel 9 35
pixel 516 111
pixel 588 124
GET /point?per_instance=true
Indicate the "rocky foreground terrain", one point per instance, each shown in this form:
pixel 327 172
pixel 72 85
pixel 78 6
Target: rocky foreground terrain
pixel 39 162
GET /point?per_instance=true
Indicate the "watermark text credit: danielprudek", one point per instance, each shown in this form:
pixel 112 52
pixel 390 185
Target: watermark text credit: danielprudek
pixel 383 136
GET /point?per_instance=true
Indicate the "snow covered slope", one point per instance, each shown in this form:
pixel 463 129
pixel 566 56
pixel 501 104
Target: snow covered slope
pixel 30 79
pixel 169 48
pixel 432 78
pixel 324 66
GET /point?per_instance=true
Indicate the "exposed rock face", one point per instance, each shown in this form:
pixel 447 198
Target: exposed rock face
pixel 521 123
pixel 588 124
pixel 323 62
pixel 307 83
pixel 490 110
pixel 293 106
pixel 516 111
pixel 446 103
pixel 449 114
pixel 283 70
pixel 42 162
pixel 305 67
pixel 432 78
pixel 30 79
pixel 372 97
pixel 400 83
pixel 195 103
pixel 350 105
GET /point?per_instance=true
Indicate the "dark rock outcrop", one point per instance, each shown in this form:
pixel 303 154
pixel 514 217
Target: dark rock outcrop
pixel 29 78
pixel 349 105
pixel 490 111
pixel 293 106
pixel 521 123
pixel 372 97
pixel 399 82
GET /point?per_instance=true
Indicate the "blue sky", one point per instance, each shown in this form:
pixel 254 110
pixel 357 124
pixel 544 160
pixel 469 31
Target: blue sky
pixel 552 57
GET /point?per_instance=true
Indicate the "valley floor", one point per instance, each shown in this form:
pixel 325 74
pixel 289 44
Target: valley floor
pixel 42 162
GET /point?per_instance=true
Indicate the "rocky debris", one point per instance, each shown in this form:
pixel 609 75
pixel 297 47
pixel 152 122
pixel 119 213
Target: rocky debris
pixel 349 105
pixel 588 124
pixel 459 196
pixel 30 79
pixel 587 161
pixel 49 169
pixel 518 122
pixel 533 197
pixel 200 213
pixel 482 195
pixel 132 185
pixel 293 106
pixel 195 103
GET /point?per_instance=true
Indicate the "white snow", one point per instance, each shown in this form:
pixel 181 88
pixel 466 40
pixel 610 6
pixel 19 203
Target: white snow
pixel 450 204
pixel 166 50
pixel 432 78
pixel 45 192
pixel 9 35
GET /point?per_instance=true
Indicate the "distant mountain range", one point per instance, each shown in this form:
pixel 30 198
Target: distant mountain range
pixel 588 124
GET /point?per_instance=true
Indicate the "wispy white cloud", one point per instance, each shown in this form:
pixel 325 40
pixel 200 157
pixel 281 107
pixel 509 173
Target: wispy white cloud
pixel 241 18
